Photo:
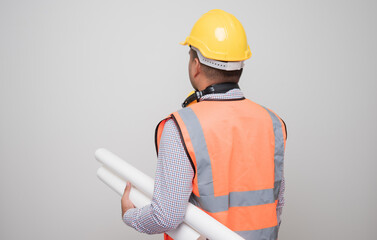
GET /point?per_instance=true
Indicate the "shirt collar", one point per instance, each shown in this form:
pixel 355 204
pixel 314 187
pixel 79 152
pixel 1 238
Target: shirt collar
pixel 231 94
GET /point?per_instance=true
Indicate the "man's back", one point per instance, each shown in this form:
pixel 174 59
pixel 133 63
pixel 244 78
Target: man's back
pixel 236 147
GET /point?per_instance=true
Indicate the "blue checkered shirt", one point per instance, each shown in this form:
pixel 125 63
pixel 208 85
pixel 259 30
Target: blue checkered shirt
pixel 173 182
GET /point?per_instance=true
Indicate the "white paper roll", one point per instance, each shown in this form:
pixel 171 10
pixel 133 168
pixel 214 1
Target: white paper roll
pixel 182 232
pixel 140 180
pixel 194 217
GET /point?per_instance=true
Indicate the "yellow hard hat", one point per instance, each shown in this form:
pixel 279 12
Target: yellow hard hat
pixel 219 35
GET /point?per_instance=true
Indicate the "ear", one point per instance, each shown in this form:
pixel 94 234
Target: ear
pixel 197 68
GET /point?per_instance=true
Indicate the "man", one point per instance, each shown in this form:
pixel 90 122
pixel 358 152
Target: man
pixel 224 153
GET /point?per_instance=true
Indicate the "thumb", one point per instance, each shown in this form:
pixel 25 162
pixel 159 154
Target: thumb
pixel 127 190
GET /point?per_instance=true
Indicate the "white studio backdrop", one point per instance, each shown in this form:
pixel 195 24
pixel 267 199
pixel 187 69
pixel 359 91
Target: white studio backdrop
pixel 79 75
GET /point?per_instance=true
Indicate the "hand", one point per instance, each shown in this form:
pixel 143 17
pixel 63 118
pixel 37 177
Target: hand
pixel 126 202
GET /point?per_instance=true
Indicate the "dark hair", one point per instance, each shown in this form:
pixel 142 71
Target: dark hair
pixel 217 75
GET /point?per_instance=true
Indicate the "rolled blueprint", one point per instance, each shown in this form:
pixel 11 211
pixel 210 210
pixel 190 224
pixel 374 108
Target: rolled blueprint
pixel 140 180
pixel 182 232
pixel 194 217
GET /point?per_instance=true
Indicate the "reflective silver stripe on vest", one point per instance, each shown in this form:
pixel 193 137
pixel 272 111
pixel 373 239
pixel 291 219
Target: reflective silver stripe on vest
pixel 279 152
pixel 207 200
pixel 203 162
pixel 234 199
pixel 261 234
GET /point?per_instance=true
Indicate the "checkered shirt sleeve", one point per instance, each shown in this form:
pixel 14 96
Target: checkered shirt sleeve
pixel 172 189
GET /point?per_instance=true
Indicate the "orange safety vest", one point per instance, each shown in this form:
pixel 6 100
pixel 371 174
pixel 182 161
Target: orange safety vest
pixel 237 149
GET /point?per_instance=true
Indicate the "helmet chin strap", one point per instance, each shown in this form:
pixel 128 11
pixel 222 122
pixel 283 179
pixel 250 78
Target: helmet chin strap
pixel 216 88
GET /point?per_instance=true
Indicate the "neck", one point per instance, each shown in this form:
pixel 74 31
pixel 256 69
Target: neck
pixel 203 83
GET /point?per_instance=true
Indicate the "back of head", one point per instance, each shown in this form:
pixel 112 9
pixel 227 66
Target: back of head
pixel 217 75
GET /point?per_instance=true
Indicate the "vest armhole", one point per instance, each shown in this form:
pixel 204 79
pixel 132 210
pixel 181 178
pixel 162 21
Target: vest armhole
pixel 285 125
pixel 285 128
pixel 156 133
pixel 183 143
